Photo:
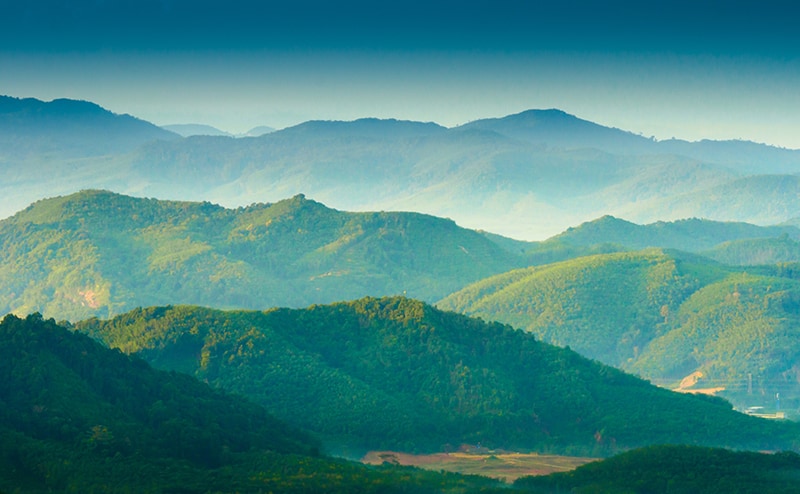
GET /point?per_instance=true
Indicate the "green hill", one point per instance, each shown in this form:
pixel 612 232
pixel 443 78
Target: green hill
pixel 677 470
pixel 692 235
pixel 78 417
pixel 397 373
pixel 99 253
pixel 758 251
pixel 728 242
pixel 663 315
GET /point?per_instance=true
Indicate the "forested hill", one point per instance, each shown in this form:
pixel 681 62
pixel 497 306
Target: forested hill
pixel 64 391
pixel 78 417
pixel 397 373
pixel 99 253
pixel 692 235
pixel 726 241
pixel 664 315
pixel 677 470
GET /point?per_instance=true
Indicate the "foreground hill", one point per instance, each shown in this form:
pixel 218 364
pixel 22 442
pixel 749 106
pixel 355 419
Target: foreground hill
pixel 99 253
pixel 677 470
pixel 78 417
pixel 664 315
pixel 395 373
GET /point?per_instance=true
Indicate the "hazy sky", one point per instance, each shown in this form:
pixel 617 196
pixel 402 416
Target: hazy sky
pixel 687 69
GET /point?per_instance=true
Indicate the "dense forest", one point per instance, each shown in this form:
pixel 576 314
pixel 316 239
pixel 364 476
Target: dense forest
pixel 677 470
pixel 397 373
pixel 78 417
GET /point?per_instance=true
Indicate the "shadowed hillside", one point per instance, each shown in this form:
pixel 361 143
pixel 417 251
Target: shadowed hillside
pixel 78 417
pixel 395 373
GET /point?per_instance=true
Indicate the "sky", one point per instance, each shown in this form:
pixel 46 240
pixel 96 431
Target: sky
pixel 686 69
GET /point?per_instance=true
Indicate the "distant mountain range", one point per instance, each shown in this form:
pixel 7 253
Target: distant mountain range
pixel 528 176
pixel 63 128
pixel 189 130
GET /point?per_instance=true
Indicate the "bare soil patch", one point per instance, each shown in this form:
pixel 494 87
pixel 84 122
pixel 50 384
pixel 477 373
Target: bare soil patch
pixel 505 466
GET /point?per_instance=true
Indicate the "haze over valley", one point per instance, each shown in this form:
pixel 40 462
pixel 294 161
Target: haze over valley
pixel 528 176
pixel 417 247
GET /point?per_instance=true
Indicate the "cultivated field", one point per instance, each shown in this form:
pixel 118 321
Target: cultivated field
pixel 506 466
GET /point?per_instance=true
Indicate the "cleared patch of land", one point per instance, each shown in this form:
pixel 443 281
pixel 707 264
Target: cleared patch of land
pixel 505 466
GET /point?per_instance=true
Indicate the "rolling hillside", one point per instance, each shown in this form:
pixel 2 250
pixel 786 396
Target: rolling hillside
pixel 99 253
pixel 395 373
pixel 661 314
pixel 727 242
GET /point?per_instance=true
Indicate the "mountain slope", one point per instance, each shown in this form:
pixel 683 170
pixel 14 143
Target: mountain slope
pixel 78 417
pixel 606 307
pixel 397 373
pixel 759 251
pixel 664 315
pixel 693 235
pixel 62 390
pixel 99 253
pixel 69 129
pixel 559 129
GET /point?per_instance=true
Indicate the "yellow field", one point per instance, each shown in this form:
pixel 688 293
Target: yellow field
pixel 505 466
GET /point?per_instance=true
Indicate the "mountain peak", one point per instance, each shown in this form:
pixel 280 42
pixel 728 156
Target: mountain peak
pixel 366 127
pixel 560 129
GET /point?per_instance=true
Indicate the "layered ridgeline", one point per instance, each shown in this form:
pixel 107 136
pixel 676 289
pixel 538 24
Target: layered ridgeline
pixel 664 315
pixel 677 470
pixel 78 417
pixel 98 253
pixel 397 373
pixel 528 175
pixel 64 128
pixel 65 145
pixel 735 243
